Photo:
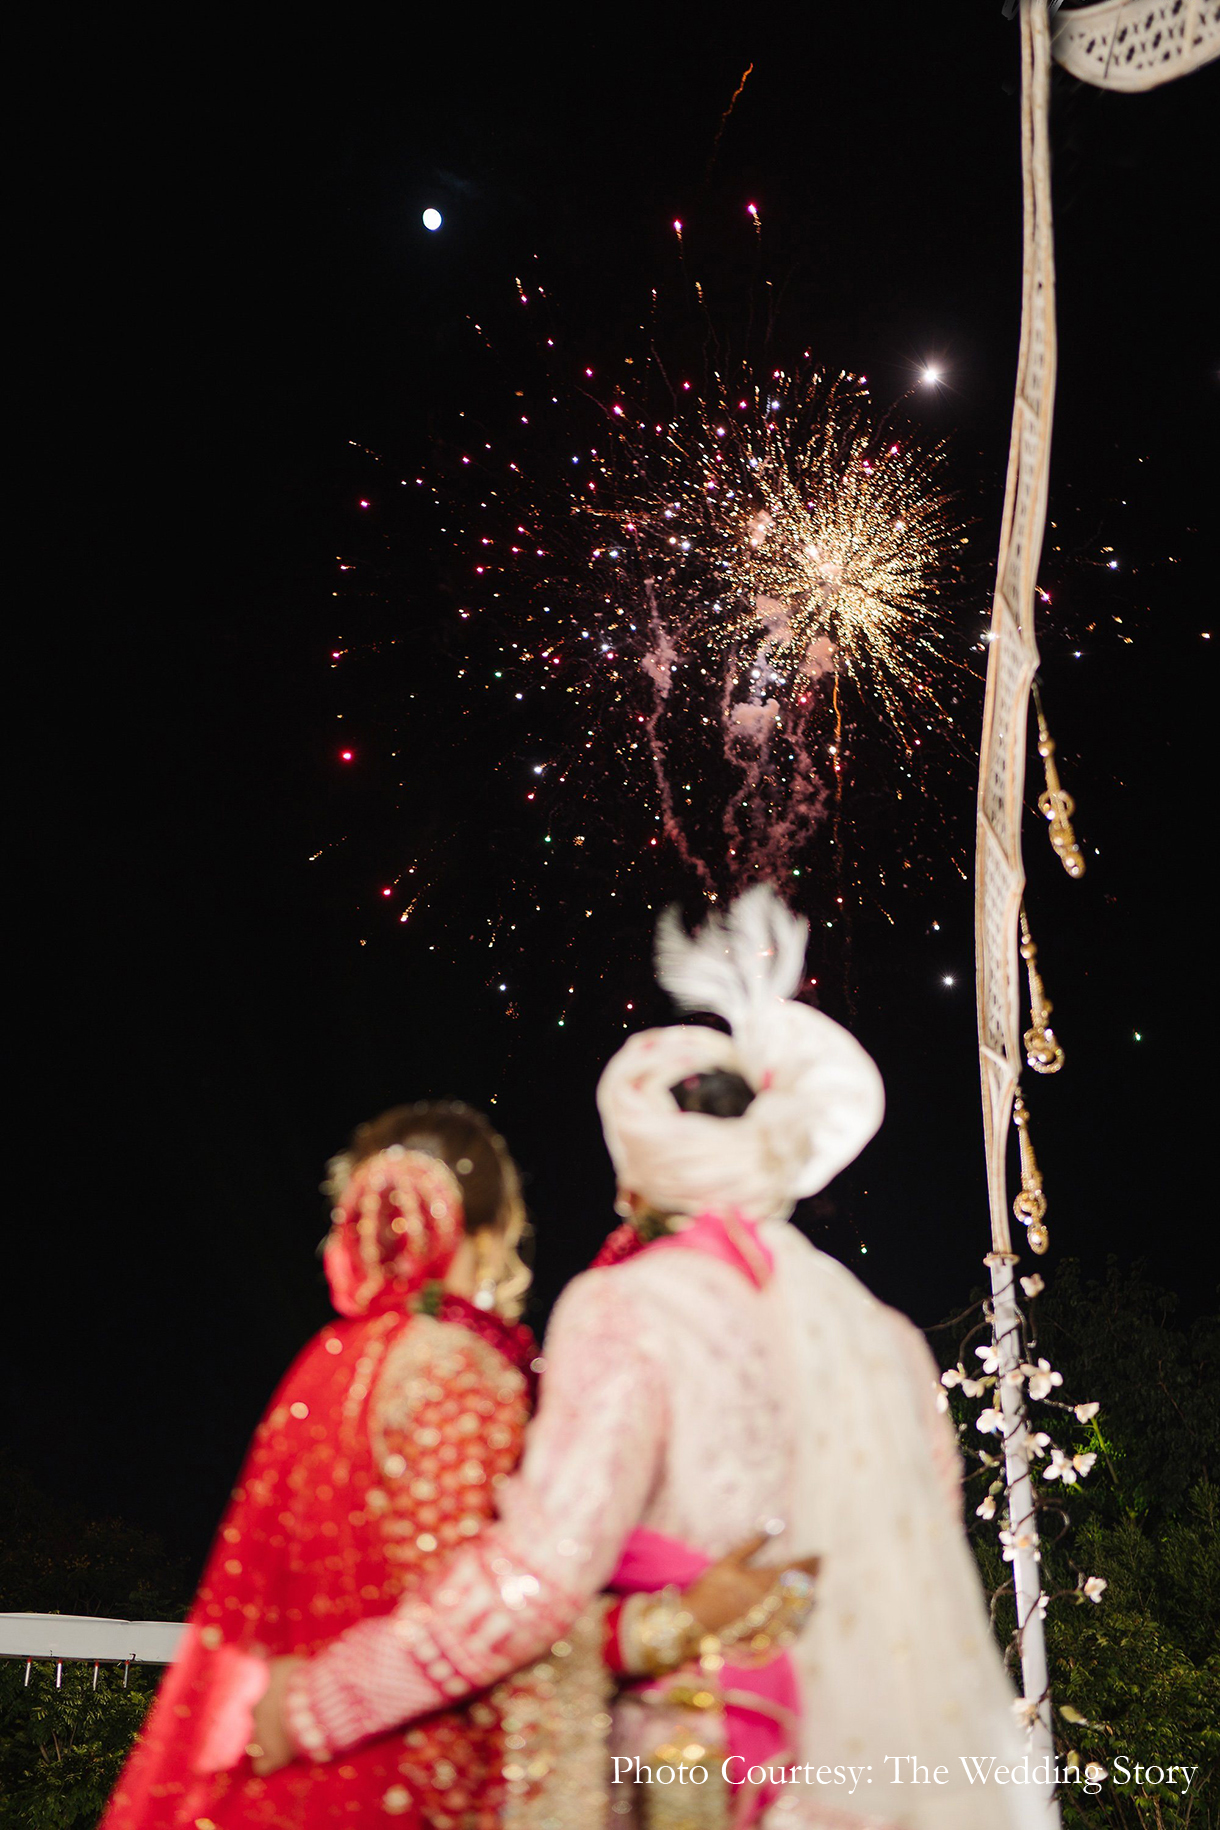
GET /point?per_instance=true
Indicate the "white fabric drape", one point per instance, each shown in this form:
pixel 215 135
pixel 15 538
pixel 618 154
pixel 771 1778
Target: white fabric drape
pixel 898 1659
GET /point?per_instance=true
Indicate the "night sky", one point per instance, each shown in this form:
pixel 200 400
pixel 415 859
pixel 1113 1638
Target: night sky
pixel 245 333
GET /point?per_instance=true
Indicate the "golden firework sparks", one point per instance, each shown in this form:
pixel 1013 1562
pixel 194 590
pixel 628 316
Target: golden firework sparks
pixel 793 528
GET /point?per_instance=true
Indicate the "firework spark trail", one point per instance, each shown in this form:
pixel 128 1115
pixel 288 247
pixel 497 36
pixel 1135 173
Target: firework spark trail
pixel 724 119
pixel 658 664
pixel 765 820
pixel 769 818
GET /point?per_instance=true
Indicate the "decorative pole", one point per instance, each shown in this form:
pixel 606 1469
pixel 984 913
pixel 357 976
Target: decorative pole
pixel 1132 46
pixel 999 868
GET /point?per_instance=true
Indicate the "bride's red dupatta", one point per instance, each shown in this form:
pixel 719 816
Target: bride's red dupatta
pixel 378 1455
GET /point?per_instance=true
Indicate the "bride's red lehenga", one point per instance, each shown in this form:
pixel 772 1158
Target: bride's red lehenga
pixel 379 1454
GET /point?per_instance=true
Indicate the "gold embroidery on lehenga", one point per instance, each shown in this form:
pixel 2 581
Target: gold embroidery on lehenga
pixel 445 1420
pixel 556 1722
pixel 674 1727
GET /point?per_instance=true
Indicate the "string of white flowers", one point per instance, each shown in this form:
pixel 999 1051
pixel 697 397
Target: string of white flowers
pixel 1017 1387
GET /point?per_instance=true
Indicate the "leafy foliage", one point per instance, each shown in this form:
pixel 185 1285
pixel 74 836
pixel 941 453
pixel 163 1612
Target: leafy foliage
pixel 61 1750
pixel 1135 1678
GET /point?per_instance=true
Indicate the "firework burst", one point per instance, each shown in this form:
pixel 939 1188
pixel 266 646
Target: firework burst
pixel 698 600
pixel 794 524
pixel 694 636
pixel 760 552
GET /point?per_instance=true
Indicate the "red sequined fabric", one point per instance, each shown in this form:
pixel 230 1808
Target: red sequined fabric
pixel 378 1456
pixel 624 1242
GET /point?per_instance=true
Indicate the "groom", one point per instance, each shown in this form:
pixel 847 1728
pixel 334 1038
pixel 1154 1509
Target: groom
pixel 720 1373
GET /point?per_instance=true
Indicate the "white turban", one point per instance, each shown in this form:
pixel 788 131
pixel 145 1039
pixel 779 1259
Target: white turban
pixel 818 1095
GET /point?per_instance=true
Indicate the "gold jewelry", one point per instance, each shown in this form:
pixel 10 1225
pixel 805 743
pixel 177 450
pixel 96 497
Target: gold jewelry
pixel 1056 805
pixel 686 1803
pixel 772 1623
pixel 1029 1206
pixel 1042 1049
pixel 659 1633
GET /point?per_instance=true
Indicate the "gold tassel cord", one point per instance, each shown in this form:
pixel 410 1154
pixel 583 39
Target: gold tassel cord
pixel 1056 804
pixel 1042 1049
pixel 1030 1204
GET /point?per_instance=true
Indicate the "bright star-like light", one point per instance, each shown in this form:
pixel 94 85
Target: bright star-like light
pixel 930 377
pixel 948 979
pixel 432 220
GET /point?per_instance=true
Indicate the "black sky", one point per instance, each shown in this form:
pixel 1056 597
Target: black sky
pixel 234 295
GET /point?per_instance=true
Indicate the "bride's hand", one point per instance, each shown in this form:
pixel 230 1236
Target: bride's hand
pixel 728 1589
pixel 270 1735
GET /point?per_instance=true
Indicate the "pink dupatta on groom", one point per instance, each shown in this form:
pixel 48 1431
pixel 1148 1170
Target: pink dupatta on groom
pixel 760 1704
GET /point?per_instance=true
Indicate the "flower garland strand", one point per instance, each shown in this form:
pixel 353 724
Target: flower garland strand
pixel 1049 1470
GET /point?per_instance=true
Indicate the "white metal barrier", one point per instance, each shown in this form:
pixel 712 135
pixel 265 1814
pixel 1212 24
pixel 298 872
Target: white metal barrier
pixel 90 1638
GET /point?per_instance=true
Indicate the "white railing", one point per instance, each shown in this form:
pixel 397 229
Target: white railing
pixel 59 1638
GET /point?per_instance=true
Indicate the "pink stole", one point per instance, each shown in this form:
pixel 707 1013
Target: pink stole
pixel 762 1704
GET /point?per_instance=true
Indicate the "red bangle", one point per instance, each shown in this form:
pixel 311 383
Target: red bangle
pixel 612 1652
